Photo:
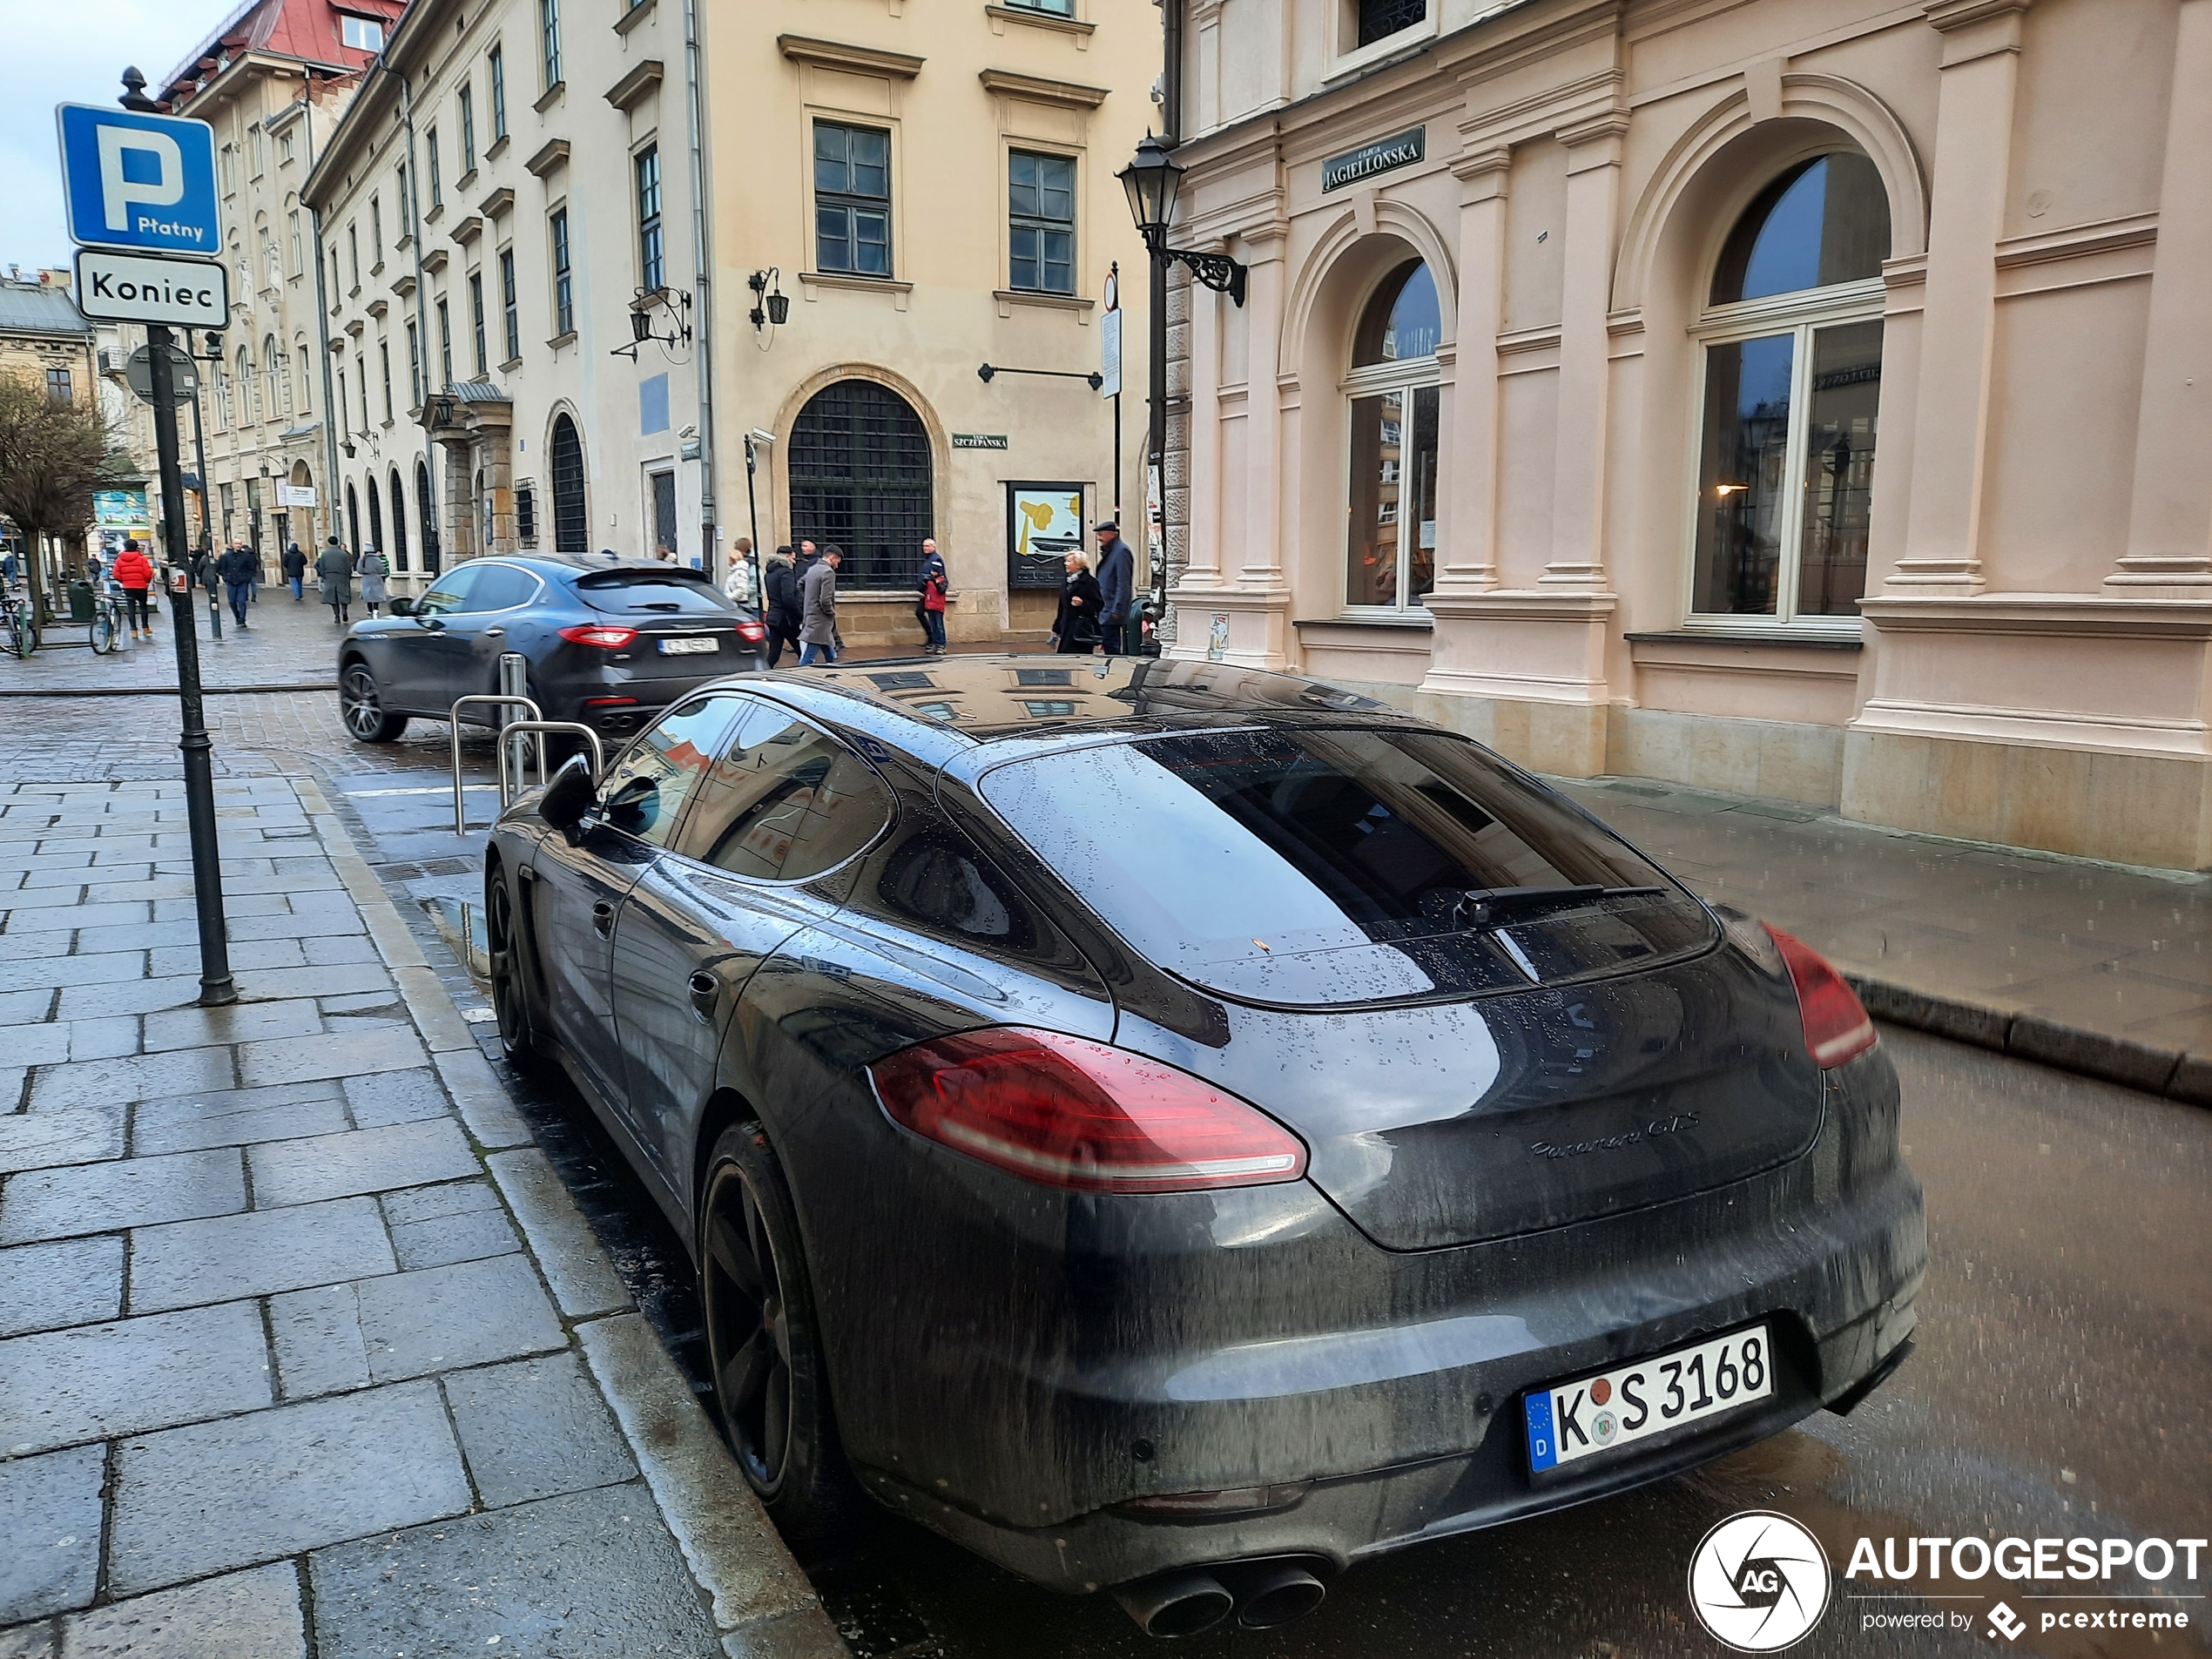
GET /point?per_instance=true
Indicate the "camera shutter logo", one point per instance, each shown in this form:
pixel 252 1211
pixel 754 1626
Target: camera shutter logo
pixel 1758 1581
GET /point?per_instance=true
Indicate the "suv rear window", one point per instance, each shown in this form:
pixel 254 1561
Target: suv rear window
pixel 1332 866
pixel 636 593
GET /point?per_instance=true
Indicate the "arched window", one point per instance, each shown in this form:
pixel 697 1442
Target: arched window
pixel 307 380
pixel 376 518
pixel 249 391
pixel 272 365
pixel 1791 337
pixel 1393 404
pixel 422 508
pixel 353 518
pixel 572 531
pixel 862 477
pixel 399 523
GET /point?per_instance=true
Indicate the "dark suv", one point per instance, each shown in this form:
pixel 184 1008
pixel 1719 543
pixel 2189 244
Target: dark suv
pixel 609 643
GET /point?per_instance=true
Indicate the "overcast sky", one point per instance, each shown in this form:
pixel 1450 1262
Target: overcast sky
pixel 72 51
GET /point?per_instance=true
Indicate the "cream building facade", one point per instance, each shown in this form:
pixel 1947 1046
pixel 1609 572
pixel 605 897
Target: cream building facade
pixel 1805 399
pixel 273 82
pixel 513 186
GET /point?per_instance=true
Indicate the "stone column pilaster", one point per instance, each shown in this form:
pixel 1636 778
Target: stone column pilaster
pixel 1470 550
pixel 1265 467
pixel 1585 374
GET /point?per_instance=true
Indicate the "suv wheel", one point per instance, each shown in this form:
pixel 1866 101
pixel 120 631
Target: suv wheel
pixel 363 713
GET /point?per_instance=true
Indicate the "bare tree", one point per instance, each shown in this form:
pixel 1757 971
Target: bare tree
pixel 50 457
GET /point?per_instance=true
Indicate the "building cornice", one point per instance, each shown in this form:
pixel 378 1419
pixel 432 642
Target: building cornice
pixel 861 60
pixel 632 88
pixel 553 154
pixel 1036 89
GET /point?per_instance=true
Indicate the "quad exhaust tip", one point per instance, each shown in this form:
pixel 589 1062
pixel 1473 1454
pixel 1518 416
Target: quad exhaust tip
pixel 1258 1595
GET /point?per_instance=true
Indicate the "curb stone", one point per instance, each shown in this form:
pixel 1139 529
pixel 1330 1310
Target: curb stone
pixel 761 1603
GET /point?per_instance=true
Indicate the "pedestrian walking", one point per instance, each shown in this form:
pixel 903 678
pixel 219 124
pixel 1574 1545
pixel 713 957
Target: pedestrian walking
pixel 786 605
pixel 295 571
pixel 1075 630
pixel 334 576
pixel 255 581
pixel 1118 623
pixel 818 622
pixel 930 610
pixel 372 568
pixel 737 586
pixel 237 567
pixel 134 575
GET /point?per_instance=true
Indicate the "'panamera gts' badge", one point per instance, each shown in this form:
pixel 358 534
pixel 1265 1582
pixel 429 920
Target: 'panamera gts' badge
pixel 1672 1125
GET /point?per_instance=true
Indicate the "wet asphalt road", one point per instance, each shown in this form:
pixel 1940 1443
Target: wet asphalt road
pixel 2062 1386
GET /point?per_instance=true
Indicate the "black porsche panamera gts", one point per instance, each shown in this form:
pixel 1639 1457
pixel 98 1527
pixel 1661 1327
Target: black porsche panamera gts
pixel 1179 1129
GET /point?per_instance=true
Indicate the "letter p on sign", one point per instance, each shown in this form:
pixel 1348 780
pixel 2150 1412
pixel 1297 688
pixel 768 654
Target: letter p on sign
pixel 120 191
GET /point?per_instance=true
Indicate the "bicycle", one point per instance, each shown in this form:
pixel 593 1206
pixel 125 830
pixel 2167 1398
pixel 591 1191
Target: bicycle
pixel 18 630
pixel 106 631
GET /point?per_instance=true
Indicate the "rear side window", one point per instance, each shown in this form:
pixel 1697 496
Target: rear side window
pixel 644 793
pixel 647 593
pixel 497 587
pixel 785 801
pixel 452 592
pixel 1347 865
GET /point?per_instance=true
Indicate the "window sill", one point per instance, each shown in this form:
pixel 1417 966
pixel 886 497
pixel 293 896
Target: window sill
pixel 1375 53
pixel 569 339
pixel 1409 622
pixel 1002 16
pixel 466 182
pixel 851 283
pixel 377 269
pixel 510 365
pixel 1009 298
pixel 1799 641
pixel 551 95
pixel 437 212
pixel 635 14
pixel 498 148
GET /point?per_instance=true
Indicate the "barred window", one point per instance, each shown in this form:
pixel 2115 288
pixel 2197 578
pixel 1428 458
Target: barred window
pixel 1041 203
pixel 852 198
pixel 862 477
pixel 1379 19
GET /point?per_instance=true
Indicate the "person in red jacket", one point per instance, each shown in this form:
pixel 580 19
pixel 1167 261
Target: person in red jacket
pixel 133 572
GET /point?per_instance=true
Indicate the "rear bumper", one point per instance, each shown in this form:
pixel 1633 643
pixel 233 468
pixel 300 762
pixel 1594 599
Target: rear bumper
pixel 1020 1430
pixel 619 707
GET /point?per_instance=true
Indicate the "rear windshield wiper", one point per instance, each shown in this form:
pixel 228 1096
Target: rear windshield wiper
pixel 1482 907
pixel 657 605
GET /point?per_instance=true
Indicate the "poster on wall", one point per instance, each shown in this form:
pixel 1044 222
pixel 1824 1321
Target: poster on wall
pixel 118 515
pixel 1043 522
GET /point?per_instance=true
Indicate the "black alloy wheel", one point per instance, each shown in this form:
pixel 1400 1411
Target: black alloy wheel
pixel 763 1340
pixel 362 710
pixel 510 995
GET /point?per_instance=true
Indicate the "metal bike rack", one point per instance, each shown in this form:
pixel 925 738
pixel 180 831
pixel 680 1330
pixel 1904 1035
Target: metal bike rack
pixel 540 727
pixel 505 699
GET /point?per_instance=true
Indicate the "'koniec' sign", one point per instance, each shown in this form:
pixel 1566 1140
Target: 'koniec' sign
pixel 1385 155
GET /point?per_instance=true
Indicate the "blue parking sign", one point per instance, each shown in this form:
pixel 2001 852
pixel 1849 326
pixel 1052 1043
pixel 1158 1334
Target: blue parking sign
pixel 144 182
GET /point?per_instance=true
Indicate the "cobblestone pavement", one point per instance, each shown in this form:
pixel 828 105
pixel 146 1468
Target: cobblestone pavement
pixel 285 645
pixel 303 1345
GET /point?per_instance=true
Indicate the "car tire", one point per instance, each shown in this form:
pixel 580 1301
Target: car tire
pixel 362 710
pixel 512 972
pixel 763 1341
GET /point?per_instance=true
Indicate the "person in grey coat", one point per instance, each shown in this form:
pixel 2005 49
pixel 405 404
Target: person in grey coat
pixel 334 576
pixel 818 622
pixel 1116 581
pixel 372 568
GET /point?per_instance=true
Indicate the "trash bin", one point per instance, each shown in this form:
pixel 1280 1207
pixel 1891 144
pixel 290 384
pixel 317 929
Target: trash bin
pixel 80 601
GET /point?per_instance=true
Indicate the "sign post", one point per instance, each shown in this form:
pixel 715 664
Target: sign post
pixel 1110 370
pixel 141 184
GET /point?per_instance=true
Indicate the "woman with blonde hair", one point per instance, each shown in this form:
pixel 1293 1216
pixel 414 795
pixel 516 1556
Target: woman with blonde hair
pixel 1075 630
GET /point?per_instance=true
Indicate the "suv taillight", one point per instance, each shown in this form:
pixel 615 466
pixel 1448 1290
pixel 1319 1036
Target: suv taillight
pixel 752 632
pixel 605 634
pixel 1837 1026
pixel 1066 1112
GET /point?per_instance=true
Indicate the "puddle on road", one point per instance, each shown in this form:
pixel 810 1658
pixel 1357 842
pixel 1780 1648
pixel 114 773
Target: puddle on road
pixel 462 926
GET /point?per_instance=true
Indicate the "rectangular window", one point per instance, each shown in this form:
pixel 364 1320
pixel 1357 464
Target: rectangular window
pixel 1040 205
pixel 229 159
pixel 1381 18
pixel 1392 557
pixel 307 386
pixel 407 201
pixel 353 253
pixel 256 153
pixel 445 344
pixel 651 272
pixel 526 513
pixel 507 305
pixel 384 362
pixel 362 34
pixel 364 381
pixel 299 246
pixel 466 100
pixel 496 68
pixel 437 181
pixel 477 320
pixel 335 284
pixel 852 198
pixel 59 389
pixel 1057 8
pixel 375 230
pixel 414 364
pixel 1785 483
pixel 549 36
pixel 345 409
pixel 284 148
pixel 563 278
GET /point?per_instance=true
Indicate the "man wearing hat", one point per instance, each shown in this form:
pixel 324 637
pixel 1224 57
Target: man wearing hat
pixel 1116 585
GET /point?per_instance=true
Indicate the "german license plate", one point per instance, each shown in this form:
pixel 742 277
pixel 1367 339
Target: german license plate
pixel 690 644
pixel 1570 1421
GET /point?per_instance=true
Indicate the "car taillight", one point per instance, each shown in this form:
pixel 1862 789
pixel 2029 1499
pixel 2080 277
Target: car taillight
pixel 1065 1112
pixel 752 632
pixel 1837 1026
pixel 605 634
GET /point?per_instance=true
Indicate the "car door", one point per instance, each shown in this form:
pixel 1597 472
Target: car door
pixel 784 805
pixel 463 651
pixel 412 645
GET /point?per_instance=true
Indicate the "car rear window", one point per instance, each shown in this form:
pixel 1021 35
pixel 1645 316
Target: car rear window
pixel 645 593
pixel 1342 866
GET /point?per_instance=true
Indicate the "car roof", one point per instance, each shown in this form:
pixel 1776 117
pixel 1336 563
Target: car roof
pixel 990 699
pixel 588 563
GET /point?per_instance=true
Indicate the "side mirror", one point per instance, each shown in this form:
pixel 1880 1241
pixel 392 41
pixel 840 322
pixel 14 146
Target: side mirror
pixel 571 794
pixel 402 607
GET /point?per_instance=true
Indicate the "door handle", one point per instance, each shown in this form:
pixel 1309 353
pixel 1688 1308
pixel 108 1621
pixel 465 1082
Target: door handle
pixel 603 918
pixel 703 989
pixel 495 633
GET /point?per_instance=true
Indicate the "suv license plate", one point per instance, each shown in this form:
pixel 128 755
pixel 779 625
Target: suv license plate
pixel 1570 1421
pixel 686 646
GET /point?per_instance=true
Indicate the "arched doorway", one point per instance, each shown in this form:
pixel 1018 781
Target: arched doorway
pixel 861 476
pixel 423 507
pixel 1791 336
pixel 399 523
pixel 1394 401
pixel 375 517
pixel 571 529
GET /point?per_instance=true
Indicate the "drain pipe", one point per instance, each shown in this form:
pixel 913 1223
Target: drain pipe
pixel 426 509
pixel 701 282
pixel 322 348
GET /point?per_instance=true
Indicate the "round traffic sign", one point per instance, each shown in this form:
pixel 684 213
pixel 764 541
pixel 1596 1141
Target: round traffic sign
pixel 184 375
